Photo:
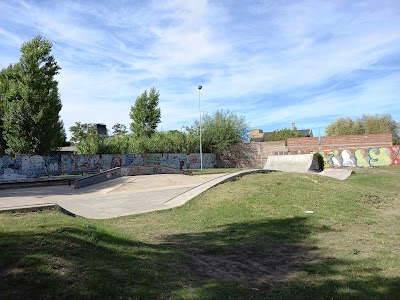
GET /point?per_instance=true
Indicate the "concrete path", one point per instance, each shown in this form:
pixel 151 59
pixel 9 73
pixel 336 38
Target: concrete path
pixel 119 197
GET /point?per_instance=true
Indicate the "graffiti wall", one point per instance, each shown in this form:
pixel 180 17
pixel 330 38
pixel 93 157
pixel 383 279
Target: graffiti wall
pixel 32 166
pixel 364 157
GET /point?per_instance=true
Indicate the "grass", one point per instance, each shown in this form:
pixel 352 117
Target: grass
pixel 248 239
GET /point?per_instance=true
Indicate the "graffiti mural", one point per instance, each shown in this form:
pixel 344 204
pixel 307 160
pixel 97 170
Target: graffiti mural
pixel 361 157
pixel 31 166
pixel 79 162
pixel 379 157
pixel 10 169
pixel 333 158
pixel 371 157
pixel 395 155
pixel 347 159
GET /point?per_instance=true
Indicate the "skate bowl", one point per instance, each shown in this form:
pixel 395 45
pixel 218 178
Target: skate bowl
pixel 298 163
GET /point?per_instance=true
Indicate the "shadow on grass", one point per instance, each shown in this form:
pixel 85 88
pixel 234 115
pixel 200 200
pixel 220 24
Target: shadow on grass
pixel 275 258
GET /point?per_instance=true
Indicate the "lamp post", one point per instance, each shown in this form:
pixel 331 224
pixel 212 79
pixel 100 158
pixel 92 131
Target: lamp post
pixel 201 150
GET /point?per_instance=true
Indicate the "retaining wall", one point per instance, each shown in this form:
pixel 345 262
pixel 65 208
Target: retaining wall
pixel 33 166
pixel 125 171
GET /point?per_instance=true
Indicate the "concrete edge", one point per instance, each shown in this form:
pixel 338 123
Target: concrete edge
pixel 29 208
pixel 36 207
pixel 190 194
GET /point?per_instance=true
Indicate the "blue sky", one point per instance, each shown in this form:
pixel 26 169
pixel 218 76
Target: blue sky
pixel 274 62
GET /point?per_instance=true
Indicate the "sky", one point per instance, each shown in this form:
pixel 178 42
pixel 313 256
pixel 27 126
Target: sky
pixel 273 62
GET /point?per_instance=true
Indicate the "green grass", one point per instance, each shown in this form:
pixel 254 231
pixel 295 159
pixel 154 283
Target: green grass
pixel 247 239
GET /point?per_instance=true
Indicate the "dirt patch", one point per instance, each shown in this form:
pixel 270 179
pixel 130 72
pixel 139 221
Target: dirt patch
pixel 393 212
pixel 373 201
pixel 248 267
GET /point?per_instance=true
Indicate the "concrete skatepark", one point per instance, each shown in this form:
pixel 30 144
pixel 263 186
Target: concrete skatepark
pixel 119 197
pixel 144 193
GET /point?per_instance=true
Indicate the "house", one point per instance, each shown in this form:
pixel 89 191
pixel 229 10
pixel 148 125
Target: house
pixel 257 135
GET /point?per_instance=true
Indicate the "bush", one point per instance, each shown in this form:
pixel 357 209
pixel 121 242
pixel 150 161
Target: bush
pixel 321 161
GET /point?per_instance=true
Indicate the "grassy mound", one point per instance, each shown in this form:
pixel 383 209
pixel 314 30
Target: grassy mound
pixel 276 235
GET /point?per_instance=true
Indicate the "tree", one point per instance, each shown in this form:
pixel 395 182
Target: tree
pixel 221 130
pixel 282 134
pixel 119 129
pixel 145 114
pixel 344 126
pixel 380 124
pixel 85 137
pixel 4 91
pixel 31 102
pixel 367 124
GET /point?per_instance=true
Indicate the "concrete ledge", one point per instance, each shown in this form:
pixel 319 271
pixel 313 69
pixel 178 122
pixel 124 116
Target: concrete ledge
pixel 36 182
pixel 98 178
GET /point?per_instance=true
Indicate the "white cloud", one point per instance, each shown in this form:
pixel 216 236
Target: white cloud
pixel 247 56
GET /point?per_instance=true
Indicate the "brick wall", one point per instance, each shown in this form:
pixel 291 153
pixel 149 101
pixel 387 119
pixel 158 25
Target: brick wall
pixel 251 155
pixel 255 155
pixel 355 141
pixel 302 145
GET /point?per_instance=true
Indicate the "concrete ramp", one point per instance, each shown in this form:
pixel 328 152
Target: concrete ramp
pixel 340 174
pixel 298 163
pixel 303 163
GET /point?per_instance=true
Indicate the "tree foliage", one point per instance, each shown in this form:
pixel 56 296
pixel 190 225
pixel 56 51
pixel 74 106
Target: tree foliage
pixel 367 124
pixel 282 135
pixel 119 129
pixel 31 102
pixel 221 130
pixel 145 114
pixel 85 137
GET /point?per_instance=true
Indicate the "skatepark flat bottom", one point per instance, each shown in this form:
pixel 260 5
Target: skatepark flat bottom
pixel 119 197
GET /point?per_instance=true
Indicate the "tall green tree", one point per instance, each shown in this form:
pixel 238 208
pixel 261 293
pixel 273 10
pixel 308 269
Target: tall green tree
pixel 145 114
pixel 31 121
pixel 6 76
pixel 367 124
pixel 221 130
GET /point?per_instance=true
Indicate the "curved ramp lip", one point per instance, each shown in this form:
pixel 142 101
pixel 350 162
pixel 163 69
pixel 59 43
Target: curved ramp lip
pixel 190 194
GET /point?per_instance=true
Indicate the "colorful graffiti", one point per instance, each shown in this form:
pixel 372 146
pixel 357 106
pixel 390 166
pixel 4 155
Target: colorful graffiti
pixel 372 157
pixel 31 166
pixel 395 155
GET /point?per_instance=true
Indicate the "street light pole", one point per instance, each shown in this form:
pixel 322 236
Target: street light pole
pixel 201 149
